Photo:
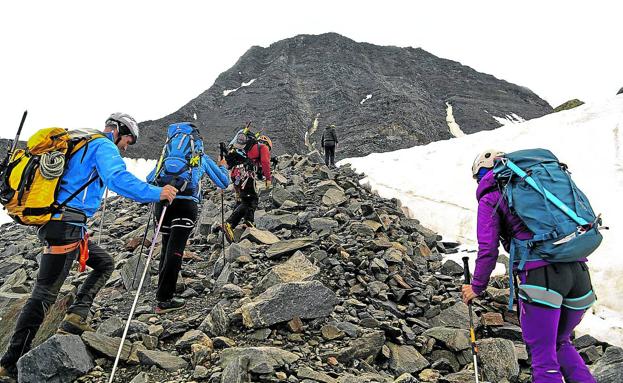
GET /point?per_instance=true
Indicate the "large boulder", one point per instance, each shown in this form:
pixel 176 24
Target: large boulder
pixel 161 359
pixel 369 345
pixel 288 247
pixel 260 236
pixel 60 359
pixel 499 359
pixel 453 338
pixel 285 301
pixel 296 269
pixel 609 369
pixel 406 359
pixel 456 316
pixel 261 360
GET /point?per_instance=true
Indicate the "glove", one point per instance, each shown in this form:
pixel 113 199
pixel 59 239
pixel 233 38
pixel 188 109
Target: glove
pixel 268 184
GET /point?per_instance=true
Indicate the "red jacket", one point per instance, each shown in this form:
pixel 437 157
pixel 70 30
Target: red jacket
pixel 260 156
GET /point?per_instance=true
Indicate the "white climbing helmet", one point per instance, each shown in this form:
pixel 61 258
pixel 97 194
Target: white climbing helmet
pixel 126 125
pixel 485 159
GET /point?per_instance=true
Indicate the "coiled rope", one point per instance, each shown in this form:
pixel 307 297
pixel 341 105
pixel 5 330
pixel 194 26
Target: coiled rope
pixel 52 165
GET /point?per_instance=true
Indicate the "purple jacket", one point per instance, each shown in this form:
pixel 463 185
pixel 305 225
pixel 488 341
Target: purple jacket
pixel 494 225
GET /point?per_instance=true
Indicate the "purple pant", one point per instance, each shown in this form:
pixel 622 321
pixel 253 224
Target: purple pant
pixel 547 333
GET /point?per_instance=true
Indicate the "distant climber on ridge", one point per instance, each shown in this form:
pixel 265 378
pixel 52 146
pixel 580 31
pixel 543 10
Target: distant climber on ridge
pixel 329 143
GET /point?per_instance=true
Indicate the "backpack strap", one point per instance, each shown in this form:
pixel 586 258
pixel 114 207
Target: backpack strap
pixel 546 194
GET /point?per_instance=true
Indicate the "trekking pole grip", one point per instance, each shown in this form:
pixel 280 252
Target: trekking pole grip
pixel 468 279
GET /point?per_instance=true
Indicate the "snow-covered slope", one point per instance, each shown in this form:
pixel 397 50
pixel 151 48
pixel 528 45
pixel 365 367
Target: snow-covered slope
pixel 435 185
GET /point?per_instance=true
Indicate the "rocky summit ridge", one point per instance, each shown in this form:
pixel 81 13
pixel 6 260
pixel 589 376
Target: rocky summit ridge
pixel 334 285
pixel 381 98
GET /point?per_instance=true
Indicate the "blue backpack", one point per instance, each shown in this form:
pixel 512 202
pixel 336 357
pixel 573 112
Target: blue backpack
pixel 180 157
pixel 539 189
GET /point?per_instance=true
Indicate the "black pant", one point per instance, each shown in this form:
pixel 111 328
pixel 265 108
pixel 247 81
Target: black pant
pixel 179 222
pixel 245 205
pixel 53 271
pixel 329 155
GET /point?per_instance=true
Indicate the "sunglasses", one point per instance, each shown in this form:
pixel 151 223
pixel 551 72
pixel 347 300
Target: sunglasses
pixel 122 129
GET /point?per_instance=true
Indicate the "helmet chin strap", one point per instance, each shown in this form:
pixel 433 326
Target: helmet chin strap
pixel 118 139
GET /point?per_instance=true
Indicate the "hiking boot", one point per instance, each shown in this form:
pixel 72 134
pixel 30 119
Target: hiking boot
pixel 229 232
pixel 74 324
pixel 248 224
pixel 7 372
pixel 170 305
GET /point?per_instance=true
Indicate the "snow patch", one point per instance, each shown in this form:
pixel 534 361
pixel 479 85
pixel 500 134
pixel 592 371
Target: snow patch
pixel 365 99
pixel 226 92
pixel 455 129
pixel 512 118
pixel 195 117
pixel 440 193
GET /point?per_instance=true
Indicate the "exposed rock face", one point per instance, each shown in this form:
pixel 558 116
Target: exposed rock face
pixel 285 301
pixel 60 359
pixel 381 98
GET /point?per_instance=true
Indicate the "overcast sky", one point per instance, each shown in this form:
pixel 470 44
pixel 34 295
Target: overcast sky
pixel 71 63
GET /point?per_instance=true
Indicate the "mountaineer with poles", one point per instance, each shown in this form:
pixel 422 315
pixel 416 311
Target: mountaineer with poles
pixel 65 188
pixel 248 157
pixel 182 164
pixel 527 200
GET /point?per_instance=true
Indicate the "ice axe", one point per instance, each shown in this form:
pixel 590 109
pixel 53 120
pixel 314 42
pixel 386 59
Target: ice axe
pixel 472 332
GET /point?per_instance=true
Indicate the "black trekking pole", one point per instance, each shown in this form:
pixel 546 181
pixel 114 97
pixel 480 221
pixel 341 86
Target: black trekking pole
pixel 472 332
pixel 138 291
pixel 13 145
pixel 223 150
pixel 140 253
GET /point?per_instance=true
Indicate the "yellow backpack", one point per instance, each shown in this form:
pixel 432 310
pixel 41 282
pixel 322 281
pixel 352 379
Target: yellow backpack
pixel 32 176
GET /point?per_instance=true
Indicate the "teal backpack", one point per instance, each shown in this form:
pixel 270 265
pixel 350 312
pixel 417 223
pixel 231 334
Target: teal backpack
pixel 540 191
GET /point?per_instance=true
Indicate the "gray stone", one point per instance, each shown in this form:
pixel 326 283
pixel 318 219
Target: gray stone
pixel 107 346
pixel 192 337
pixel 235 371
pixel 110 326
pixel 609 369
pixel 406 359
pixel 161 359
pixel 201 372
pixel 334 197
pixel 234 251
pixel 272 222
pixel 60 359
pixel 280 195
pixel 296 269
pixel 142 377
pixel 288 247
pixel 406 378
pixel 451 268
pixel 260 236
pixel 454 339
pixel 308 373
pixel 460 377
pixel 129 270
pixel 230 290
pixel 456 316
pixel 325 186
pixel 16 279
pixel 369 345
pixel 320 224
pixel 285 301
pixel 258 358
pixel 499 360
pixel 216 323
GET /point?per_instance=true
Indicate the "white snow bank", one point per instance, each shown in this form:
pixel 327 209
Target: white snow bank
pixel 434 183
pixel 454 127
pixel 365 99
pixel 228 91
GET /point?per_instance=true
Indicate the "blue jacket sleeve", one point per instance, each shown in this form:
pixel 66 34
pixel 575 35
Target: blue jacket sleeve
pixel 217 174
pixel 113 172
